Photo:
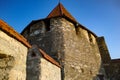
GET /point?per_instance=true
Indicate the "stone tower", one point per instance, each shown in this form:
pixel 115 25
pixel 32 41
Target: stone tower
pixel 68 42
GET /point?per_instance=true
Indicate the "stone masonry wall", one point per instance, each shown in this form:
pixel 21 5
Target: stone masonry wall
pixel 39 68
pixel 49 71
pixel 33 69
pixel 105 56
pixel 12 58
pixel 114 69
pixel 50 41
pixel 82 58
pixel 77 52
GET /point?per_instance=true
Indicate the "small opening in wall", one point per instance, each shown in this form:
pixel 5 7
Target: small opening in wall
pixel 101 77
pixel 90 37
pixel 77 30
pixel 82 70
pixel 33 54
pixel 90 72
pixel 3 56
pixel 90 40
pixel 47 24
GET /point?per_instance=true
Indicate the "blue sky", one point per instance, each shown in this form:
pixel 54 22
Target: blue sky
pixel 100 16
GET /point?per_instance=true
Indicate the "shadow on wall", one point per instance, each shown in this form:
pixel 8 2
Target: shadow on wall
pixel 6 64
pixel 109 72
pixel 101 75
pixel 33 64
pixel 115 69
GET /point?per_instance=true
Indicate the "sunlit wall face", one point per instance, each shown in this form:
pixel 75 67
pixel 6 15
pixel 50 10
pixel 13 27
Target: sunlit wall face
pixel 100 16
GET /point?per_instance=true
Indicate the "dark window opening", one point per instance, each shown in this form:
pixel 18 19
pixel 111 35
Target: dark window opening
pixel 82 70
pixel 77 30
pixel 90 72
pixel 3 56
pixel 100 77
pixel 47 24
pixel 33 54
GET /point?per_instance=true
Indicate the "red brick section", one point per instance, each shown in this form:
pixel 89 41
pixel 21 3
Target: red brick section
pixel 59 10
pixel 11 32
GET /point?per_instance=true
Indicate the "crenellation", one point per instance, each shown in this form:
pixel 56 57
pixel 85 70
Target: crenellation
pixel 83 33
pixel 93 39
pixel 38 28
pixel 60 49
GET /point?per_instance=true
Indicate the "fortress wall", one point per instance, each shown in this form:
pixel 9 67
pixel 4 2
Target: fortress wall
pixel 103 50
pixel 111 66
pixel 82 58
pixel 33 30
pixel 77 52
pixel 12 58
pixel 105 56
pixel 114 69
pixel 49 71
pixel 38 68
pixel 48 37
pixel 13 65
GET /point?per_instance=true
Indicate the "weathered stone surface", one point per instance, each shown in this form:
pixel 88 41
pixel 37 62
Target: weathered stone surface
pixel 64 39
pixel 48 40
pixel 39 68
pixel 6 64
pixel 74 47
pixel 82 58
pixel 114 69
pixel 17 63
pixel 33 64
pixel 105 56
pixel 49 71
pixel 12 58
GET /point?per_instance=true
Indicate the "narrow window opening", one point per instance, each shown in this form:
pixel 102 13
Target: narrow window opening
pixel 101 77
pixel 47 24
pixel 82 70
pixel 76 28
pixel 90 72
pixel 33 55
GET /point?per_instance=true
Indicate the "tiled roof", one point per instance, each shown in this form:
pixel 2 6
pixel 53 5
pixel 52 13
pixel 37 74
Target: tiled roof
pixel 47 57
pixel 59 10
pixel 11 32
